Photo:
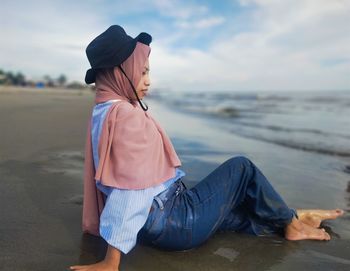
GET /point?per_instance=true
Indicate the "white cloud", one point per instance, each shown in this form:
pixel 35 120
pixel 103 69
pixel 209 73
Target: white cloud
pixel 288 49
pixel 201 23
pixel 179 9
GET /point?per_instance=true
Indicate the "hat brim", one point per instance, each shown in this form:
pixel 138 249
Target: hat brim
pixel 144 38
pixel 90 76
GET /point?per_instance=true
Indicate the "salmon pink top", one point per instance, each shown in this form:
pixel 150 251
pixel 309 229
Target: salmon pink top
pixel 134 151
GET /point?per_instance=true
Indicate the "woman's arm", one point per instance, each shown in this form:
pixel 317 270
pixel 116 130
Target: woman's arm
pixel 110 262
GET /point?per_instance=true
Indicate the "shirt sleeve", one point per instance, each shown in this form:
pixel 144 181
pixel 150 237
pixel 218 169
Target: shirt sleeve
pixel 123 216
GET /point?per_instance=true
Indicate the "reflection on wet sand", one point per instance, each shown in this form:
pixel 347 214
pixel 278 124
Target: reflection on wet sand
pixel 348 196
pixel 225 251
pixel 92 249
pixel 329 230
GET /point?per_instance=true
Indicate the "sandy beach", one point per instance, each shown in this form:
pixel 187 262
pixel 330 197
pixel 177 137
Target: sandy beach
pixel 42 141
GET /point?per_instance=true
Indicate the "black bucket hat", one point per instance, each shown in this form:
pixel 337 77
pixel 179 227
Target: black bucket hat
pixel 110 49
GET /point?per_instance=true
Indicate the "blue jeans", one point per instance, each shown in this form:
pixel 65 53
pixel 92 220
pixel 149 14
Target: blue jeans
pixel 236 196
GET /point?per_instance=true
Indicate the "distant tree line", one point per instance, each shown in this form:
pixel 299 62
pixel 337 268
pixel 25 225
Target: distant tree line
pixel 18 79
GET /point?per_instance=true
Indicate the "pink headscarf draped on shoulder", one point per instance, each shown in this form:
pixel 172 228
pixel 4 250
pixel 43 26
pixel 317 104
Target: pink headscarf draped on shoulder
pixel 134 151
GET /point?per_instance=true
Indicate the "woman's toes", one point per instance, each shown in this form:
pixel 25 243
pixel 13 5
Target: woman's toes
pixel 340 211
pixel 328 237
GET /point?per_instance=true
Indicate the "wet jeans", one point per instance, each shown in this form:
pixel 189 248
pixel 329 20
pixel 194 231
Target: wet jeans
pixel 236 196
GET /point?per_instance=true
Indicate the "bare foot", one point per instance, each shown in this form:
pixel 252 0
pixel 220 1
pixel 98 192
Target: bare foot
pixel 314 217
pixel 297 230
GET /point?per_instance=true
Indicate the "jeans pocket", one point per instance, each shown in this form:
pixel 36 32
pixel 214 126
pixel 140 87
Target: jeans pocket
pixel 177 228
pixel 154 223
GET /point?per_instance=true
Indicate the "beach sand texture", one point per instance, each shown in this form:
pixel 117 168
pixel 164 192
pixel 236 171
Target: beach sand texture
pixel 42 142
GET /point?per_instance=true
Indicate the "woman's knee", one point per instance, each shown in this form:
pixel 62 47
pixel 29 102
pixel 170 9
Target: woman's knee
pixel 239 161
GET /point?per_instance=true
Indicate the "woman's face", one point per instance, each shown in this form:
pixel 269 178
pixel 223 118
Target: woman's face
pixel 142 87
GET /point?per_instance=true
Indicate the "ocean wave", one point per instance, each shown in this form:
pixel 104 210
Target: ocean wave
pixel 274 98
pixel 302 146
pixel 326 99
pixel 229 111
pixel 223 111
pixel 277 128
pixel 311 140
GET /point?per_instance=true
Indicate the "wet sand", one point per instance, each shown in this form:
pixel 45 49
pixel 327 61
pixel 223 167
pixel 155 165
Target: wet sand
pixel 41 161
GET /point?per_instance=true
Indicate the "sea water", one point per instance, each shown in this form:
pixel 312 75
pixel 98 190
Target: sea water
pixel 311 121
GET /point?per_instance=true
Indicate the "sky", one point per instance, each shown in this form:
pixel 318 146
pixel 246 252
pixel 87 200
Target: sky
pixel 281 45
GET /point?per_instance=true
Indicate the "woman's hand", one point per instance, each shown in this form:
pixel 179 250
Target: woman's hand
pixel 110 263
pixel 100 266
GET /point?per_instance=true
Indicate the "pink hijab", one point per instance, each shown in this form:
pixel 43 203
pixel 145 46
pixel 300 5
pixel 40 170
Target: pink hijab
pixel 134 151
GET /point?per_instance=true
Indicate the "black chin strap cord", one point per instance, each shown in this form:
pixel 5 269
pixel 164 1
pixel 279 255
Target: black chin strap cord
pixel 133 88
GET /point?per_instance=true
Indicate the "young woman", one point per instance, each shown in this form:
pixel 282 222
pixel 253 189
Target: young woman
pixel 132 181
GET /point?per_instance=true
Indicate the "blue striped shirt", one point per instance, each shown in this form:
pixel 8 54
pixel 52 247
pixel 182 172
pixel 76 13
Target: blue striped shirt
pixel 125 211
